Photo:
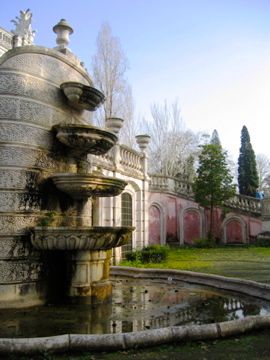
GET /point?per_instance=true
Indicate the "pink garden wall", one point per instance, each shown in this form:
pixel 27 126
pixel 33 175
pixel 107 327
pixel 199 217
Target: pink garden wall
pixel 173 219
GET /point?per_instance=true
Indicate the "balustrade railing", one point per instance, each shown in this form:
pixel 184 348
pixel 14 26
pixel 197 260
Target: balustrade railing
pixel 5 40
pixel 122 158
pixel 131 159
pixel 165 183
pixel 180 187
pixel 245 203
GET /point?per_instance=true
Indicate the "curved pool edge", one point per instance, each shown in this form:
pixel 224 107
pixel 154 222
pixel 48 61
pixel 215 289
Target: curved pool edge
pixel 139 339
pixel 147 338
pixel 241 286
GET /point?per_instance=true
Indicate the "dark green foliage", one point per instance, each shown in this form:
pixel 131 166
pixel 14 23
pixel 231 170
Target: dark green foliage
pixel 213 185
pixel 149 254
pixel 47 220
pixel 215 138
pixel 133 255
pixel 205 243
pixel 248 180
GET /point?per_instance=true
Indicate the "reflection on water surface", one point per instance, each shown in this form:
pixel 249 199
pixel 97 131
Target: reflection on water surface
pixel 137 305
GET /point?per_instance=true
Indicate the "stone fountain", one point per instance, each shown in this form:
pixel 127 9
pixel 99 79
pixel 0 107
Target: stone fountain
pixel 88 247
pixel 47 182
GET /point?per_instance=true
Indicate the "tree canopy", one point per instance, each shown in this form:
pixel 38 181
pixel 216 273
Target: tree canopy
pixel 109 66
pixel 173 148
pixel 213 184
pixel 248 180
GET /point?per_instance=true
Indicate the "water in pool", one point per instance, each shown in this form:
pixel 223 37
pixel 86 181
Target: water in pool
pixel 137 305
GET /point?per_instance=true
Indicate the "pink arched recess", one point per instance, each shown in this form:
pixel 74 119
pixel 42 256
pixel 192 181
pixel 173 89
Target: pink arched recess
pixel 234 233
pixel 154 225
pixel 191 226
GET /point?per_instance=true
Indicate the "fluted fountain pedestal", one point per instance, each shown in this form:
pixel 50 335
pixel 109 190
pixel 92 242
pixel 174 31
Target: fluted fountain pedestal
pixel 90 279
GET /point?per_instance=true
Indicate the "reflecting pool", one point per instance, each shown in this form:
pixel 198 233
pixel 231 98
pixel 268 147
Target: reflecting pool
pixel 137 305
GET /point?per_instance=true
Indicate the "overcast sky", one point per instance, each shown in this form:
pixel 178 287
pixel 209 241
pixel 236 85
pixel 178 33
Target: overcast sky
pixel 211 55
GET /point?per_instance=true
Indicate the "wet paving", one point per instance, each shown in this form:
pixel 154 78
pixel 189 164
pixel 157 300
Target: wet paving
pixel 137 305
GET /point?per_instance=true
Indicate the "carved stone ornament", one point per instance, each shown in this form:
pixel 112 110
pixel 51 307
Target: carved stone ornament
pixel 23 28
pixel 66 238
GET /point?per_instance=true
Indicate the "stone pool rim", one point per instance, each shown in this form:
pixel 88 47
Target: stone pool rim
pixel 146 338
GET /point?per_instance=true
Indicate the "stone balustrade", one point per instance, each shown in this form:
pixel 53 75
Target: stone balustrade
pixel 245 203
pixel 266 208
pixel 130 159
pixel 159 183
pixel 168 184
pixel 5 41
pixel 179 187
pixel 122 158
pixel 104 161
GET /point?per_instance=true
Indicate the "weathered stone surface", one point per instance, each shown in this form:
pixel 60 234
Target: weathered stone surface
pixel 94 342
pixel 9 107
pixel 14 271
pixel 20 156
pixel 80 238
pixel 30 87
pixel 34 112
pixel 46 67
pixel 16 224
pixel 18 179
pixel 35 345
pixel 14 247
pixel 20 201
pixel 25 134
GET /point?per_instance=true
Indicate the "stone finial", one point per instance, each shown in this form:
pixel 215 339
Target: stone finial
pixel 23 31
pixel 63 30
pixel 114 124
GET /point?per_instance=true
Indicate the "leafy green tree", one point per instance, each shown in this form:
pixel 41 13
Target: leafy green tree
pixel 213 184
pixel 248 179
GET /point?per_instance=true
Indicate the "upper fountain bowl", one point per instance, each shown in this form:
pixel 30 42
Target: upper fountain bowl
pixel 83 186
pixel 82 97
pixel 86 139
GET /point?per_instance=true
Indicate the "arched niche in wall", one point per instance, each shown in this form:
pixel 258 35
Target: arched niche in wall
pixel 191 225
pixel 157 225
pixel 234 230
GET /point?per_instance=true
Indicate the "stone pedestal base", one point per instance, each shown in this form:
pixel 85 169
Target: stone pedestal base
pixel 90 277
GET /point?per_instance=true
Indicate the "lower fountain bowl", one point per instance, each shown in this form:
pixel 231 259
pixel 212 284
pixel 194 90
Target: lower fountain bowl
pixel 82 238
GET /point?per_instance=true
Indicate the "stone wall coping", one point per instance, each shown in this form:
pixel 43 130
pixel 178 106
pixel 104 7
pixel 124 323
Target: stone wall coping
pixel 146 338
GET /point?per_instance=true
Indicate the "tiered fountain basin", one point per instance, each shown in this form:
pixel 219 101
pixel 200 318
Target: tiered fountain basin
pixel 80 238
pixel 81 96
pixel 85 138
pixel 83 186
pixel 84 250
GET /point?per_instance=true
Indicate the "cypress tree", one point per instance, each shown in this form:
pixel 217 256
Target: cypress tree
pixel 248 180
pixel 213 184
pixel 215 138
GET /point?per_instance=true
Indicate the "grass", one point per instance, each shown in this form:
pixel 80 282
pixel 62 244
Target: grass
pixel 251 263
